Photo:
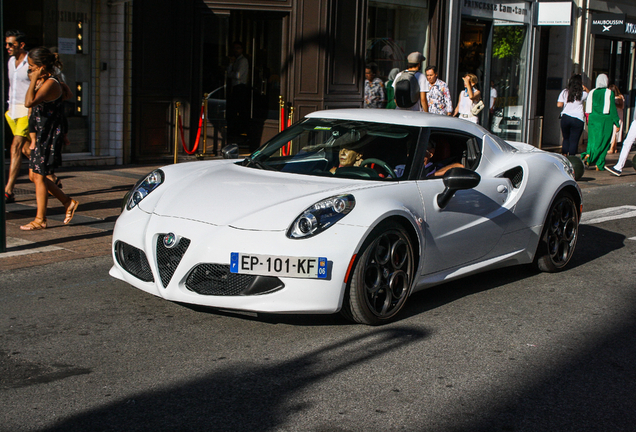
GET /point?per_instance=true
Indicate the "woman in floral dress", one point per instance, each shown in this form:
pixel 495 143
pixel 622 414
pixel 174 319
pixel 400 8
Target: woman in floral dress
pixel 44 97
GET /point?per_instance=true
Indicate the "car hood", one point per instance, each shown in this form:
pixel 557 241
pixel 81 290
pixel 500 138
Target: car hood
pixel 246 198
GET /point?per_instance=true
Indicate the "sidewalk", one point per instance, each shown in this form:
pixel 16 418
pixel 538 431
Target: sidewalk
pixel 100 191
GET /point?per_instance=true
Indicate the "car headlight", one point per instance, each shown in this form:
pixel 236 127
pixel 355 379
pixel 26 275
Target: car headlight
pixel 143 188
pixel 321 216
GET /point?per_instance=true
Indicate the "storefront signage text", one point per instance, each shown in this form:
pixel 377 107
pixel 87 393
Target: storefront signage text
pixel 613 25
pixel 516 12
pixel 554 13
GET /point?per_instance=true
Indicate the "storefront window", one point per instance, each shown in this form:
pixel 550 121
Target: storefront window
pixel 396 28
pixel 60 26
pixel 494 45
pixel 508 70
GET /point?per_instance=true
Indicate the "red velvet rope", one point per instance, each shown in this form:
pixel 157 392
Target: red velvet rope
pixel 196 143
pixel 284 151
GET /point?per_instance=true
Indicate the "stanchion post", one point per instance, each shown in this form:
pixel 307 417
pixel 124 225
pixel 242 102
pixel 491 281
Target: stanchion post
pixel 205 122
pixel 281 113
pixel 176 131
pixel 290 121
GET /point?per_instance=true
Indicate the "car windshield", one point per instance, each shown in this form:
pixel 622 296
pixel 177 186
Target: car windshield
pixel 340 148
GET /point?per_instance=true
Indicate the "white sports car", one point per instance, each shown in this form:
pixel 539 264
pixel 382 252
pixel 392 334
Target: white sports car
pixel 347 210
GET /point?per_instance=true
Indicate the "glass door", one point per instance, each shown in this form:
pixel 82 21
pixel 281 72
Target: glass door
pixel 241 61
pixel 474 36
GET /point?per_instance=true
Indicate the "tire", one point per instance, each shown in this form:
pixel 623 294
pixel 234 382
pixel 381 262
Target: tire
pixel 559 235
pixel 382 276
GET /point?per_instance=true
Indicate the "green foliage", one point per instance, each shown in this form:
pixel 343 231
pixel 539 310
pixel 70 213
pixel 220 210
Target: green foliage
pixel 508 41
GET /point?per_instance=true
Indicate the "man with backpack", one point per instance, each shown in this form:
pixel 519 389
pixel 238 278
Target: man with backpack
pixel 411 85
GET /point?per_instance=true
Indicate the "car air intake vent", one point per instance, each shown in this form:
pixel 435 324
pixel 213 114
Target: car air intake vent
pixel 217 280
pixel 169 258
pixel 515 175
pixel 134 261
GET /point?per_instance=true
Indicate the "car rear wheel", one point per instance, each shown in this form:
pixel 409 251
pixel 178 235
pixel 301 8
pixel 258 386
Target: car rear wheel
pixel 559 236
pixel 382 276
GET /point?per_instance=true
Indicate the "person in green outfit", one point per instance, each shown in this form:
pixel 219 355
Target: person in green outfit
pixel 390 91
pixel 603 116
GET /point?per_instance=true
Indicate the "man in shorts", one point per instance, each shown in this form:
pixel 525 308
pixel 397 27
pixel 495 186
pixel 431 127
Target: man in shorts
pixel 18 115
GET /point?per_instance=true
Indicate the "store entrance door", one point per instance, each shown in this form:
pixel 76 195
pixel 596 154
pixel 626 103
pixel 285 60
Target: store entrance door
pixel 612 57
pixel 241 73
pixel 473 55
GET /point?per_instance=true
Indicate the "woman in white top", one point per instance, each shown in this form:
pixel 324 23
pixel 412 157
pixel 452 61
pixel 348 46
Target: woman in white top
pixel 620 105
pixel 467 98
pixel 573 115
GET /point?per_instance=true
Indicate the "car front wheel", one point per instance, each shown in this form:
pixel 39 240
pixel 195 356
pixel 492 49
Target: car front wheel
pixel 558 239
pixel 382 276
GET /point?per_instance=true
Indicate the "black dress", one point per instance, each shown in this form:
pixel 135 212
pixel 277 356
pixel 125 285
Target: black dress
pixel 48 120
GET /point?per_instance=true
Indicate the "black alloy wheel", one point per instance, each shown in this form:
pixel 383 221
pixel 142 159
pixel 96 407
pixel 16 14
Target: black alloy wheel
pixel 559 236
pixel 382 276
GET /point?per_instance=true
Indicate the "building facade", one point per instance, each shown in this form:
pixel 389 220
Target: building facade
pixel 135 64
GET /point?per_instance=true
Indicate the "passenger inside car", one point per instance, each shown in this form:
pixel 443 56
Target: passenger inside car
pixel 435 165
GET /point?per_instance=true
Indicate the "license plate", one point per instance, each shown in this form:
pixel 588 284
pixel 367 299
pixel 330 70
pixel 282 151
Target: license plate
pixel 283 266
pixel 513 122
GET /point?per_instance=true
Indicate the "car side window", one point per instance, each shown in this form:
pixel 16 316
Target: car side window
pixel 449 149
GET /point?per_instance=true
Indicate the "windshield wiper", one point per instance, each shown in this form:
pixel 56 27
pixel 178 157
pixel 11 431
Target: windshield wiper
pixel 248 161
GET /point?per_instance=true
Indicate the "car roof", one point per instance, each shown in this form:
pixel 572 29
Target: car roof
pixel 400 117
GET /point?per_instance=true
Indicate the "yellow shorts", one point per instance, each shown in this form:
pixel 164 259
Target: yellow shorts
pixel 19 126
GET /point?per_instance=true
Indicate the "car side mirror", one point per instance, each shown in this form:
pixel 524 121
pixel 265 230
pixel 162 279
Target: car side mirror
pixel 457 179
pixel 230 151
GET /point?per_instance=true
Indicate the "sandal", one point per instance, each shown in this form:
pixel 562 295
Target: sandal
pixel 9 198
pixel 34 225
pixel 70 211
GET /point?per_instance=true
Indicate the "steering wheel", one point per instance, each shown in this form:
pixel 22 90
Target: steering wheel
pixel 382 164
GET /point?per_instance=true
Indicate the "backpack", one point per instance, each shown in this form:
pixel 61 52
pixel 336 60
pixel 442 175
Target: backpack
pixel 407 89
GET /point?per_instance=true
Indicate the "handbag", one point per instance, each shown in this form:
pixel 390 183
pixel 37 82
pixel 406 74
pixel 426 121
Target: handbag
pixel 476 109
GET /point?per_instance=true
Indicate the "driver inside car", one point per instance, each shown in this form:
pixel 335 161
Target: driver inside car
pixel 348 158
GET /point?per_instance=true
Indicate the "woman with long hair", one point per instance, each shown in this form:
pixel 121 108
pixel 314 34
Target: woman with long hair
pixel 618 131
pixel 44 97
pixel 573 115
pixel 467 98
pixel 601 121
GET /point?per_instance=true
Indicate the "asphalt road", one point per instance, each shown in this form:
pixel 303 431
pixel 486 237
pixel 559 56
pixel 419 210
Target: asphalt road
pixel 509 350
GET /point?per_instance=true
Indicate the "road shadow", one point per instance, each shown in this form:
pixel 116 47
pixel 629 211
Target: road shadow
pixel 26 211
pixel 241 397
pixel 58 241
pixel 591 389
pixel 593 243
pixel 303 320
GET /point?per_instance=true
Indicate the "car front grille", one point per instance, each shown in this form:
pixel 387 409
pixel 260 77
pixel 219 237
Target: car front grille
pixel 169 258
pixel 217 280
pixel 134 261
